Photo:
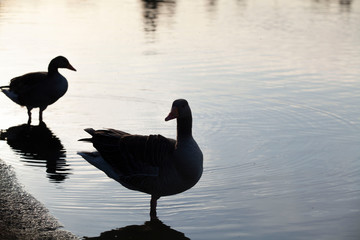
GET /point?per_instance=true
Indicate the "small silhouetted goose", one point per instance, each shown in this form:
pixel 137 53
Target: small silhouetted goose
pixel 151 164
pixel 39 89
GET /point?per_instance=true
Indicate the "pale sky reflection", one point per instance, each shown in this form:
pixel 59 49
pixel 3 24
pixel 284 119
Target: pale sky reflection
pixel 271 79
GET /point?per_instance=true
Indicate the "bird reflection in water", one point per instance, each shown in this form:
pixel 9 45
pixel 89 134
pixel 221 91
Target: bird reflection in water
pixel 151 230
pixel 38 147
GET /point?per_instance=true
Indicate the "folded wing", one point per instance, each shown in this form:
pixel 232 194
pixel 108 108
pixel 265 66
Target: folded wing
pixel 136 159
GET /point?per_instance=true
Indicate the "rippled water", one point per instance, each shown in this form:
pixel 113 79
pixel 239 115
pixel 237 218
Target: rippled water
pixel 273 86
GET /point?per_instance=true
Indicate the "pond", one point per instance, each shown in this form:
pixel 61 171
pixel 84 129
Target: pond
pixel 274 90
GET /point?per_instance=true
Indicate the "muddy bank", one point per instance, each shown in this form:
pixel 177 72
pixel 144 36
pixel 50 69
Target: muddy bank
pixel 21 215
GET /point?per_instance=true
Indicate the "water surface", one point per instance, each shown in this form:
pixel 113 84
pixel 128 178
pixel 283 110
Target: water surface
pixel 273 86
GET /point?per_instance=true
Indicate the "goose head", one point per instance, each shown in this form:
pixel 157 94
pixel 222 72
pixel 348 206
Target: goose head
pixel 181 111
pixel 60 62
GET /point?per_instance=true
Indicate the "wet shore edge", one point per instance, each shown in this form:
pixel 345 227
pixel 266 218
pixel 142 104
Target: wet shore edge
pixel 21 215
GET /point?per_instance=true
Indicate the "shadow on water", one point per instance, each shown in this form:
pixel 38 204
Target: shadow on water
pixel 152 9
pixel 343 3
pixel 38 147
pixel 156 12
pixel 343 6
pixel 154 229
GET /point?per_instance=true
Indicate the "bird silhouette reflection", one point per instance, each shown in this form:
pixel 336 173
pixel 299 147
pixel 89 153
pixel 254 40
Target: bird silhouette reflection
pixel 154 229
pixel 38 147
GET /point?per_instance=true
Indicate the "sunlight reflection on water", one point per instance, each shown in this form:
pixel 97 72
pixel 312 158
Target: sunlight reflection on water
pixel 273 87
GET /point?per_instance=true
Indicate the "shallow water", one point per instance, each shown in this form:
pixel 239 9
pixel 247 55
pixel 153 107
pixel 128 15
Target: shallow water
pixel 273 86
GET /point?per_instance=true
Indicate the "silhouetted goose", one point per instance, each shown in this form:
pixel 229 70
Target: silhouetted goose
pixel 39 89
pixel 151 164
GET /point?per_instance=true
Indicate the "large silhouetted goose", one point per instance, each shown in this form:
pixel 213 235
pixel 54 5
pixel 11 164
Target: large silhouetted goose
pixel 151 164
pixel 39 89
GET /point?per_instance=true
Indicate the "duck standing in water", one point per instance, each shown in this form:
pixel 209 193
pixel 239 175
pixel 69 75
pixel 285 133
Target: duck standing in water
pixel 151 164
pixel 39 89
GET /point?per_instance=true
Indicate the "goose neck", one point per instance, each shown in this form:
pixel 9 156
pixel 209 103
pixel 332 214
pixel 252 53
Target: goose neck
pixel 184 128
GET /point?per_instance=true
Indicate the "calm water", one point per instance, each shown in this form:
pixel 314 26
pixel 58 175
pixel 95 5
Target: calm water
pixel 274 89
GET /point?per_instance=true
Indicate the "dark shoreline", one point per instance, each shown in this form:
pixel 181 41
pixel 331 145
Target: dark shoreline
pixel 21 215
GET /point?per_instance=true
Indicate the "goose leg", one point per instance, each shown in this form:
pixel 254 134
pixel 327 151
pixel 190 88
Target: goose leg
pixel 41 114
pixel 29 114
pixel 153 203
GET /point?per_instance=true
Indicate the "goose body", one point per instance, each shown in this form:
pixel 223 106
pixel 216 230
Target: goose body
pixel 151 164
pixel 39 89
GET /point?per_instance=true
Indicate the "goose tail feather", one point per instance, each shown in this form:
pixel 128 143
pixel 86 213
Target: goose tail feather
pixel 85 140
pixel 90 131
pixel 10 94
pixel 96 159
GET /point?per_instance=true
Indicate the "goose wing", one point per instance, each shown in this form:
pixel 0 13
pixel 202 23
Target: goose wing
pixel 137 159
pixel 25 83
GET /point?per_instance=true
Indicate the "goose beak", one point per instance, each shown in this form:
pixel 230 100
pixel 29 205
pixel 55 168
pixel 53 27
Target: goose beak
pixel 174 113
pixel 71 67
